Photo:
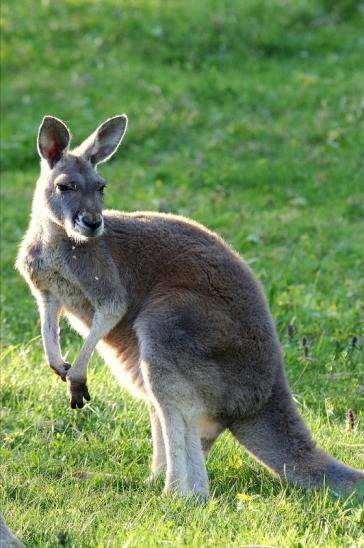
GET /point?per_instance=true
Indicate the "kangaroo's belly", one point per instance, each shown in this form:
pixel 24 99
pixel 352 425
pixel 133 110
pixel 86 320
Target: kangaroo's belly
pixel 127 372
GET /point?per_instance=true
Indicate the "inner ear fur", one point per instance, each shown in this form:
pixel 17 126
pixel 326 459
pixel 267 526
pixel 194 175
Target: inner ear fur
pixel 53 139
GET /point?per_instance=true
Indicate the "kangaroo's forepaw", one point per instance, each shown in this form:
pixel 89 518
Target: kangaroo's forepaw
pixel 77 392
pixel 61 370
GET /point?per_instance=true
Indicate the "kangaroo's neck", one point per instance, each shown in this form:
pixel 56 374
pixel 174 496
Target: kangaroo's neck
pixel 45 229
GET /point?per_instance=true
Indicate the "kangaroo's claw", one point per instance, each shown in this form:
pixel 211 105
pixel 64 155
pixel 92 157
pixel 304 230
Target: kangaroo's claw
pixel 77 393
pixel 61 370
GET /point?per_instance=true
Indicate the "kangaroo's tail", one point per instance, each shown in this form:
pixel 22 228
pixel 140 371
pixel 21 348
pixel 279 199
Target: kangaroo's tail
pixel 278 437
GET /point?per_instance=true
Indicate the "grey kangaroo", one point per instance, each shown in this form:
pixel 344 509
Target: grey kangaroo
pixel 176 314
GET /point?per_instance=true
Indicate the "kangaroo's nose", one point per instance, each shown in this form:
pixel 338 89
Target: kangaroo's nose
pixel 92 220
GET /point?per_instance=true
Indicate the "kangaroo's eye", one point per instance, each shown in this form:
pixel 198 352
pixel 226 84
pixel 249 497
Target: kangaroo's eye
pixel 66 188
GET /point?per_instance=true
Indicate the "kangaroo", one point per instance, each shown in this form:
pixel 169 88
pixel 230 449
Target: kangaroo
pixel 176 314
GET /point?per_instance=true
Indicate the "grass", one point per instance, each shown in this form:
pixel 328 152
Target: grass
pixel 248 117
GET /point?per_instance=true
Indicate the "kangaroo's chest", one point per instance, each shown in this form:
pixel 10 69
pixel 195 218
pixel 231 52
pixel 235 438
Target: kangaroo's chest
pixel 71 296
pixel 51 270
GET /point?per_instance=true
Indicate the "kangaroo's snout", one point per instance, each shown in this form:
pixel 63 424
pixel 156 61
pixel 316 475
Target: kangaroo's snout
pixel 92 220
pixel 89 224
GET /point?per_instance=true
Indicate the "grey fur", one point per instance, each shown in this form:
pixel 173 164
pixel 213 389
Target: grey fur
pixel 177 315
pixel 7 537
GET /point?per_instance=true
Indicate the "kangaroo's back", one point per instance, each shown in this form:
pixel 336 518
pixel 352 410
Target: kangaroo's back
pixel 165 251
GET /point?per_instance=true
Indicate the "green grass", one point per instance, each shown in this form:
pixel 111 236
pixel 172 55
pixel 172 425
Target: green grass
pixel 248 117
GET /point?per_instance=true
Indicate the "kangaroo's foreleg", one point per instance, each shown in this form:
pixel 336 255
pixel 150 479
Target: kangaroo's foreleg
pixel 102 324
pixel 278 437
pixel 49 311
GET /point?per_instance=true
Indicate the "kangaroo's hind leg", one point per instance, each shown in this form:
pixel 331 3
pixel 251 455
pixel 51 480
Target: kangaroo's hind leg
pixel 196 470
pixel 205 437
pixel 178 408
pixel 278 437
pixel 180 383
pixel 159 461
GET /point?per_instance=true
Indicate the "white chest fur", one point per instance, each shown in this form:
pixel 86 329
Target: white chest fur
pixel 50 271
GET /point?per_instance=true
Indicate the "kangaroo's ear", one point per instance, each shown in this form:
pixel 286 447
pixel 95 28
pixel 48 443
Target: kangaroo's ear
pixel 102 144
pixel 53 139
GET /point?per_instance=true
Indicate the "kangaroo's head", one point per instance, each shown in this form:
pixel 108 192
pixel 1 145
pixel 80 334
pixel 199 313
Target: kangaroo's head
pixel 70 191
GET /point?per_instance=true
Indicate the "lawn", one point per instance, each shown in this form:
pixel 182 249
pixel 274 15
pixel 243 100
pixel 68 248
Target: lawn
pixel 248 117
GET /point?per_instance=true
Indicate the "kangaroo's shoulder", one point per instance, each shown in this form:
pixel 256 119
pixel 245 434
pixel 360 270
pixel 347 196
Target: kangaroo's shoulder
pixel 30 255
pixel 36 261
